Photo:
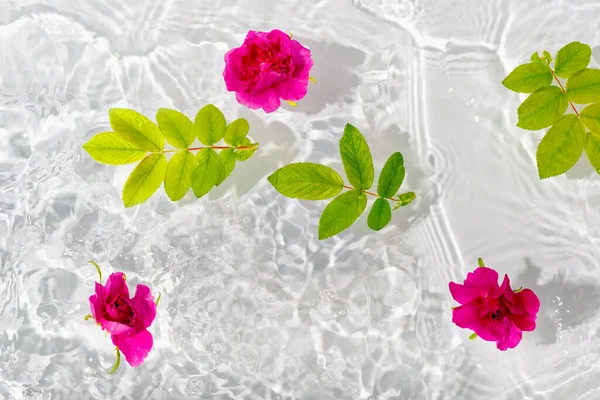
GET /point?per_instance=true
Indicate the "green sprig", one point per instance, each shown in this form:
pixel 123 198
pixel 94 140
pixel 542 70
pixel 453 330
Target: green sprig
pixel 310 181
pixel 136 138
pixel 571 134
pixel 117 362
pixel 97 269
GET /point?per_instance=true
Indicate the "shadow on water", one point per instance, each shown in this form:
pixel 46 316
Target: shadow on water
pixel 581 299
pixel 334 71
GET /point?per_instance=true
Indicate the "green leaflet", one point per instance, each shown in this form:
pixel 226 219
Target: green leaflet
pixel 590 116
pixel 112 149
pixel 405 199
pixel 243 155
pixel 584 86
pixel 210 125
pixel 391 176
pixel 562 146
pixel 535 57
pixel 136 129
pixel 228 160
pixel 528 78
pixel 356 157
pixel 145 179
pixel 380 215
pixel 572 58
pixel 206 171
pixel 307 181
pixel 179 174
pixel 341 213
pixel 177 128
pixel 236 131
pixel 542 108
pixel 592 150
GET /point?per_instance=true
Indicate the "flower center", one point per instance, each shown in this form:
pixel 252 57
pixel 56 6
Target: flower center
pixel 120 311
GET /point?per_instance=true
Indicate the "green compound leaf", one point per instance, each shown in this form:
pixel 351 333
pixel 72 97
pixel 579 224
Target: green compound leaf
pixel 308 181
pixel 562 146
pixel 380 215
pixel 391 176
pixel 210 125
pixel 590 116
pixel 528 78
pixel 236 131
pixel 206 172
pixel 136 129
pixel 244 154
pixel 112 149
pixel 179 174
pixel 542 108
pixel 405 199
pixel 177 128
pixel 592 150
pixel 572 58
pixel 341 213
pixel 145 179
pixel 356 157
pixel 228 160
pixel 584 86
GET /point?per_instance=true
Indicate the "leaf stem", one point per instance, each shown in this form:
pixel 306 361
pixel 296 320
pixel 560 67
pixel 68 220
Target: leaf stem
pixel 251 147
pixel 372 194
pixel 564 91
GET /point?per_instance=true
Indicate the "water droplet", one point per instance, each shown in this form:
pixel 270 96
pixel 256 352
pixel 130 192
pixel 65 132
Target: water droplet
pixel 329 376
pixel 247 219
pixel 196 385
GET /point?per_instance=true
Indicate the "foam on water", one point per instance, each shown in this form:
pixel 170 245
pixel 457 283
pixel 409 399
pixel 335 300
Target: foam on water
pixel 253 306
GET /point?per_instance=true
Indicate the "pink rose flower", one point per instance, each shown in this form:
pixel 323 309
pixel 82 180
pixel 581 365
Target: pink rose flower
pixel 125 318
pixel 267 68
pixel 495 313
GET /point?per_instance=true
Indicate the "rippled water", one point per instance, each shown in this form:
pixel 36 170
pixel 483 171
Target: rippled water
pixel 253 305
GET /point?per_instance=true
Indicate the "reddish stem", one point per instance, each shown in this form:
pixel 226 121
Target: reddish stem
pixel 371 193
pixel 212 147
pixel 564 91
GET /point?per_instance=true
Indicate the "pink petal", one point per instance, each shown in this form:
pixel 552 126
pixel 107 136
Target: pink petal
pixel 524 308
pixel 135 348
pixel 510 338
pixel 268 100
pixel 234 69
pixel 116 286
pixel 470 317
pixel 116 328
pixel 302 61
pixel 144 306
pixel 479 283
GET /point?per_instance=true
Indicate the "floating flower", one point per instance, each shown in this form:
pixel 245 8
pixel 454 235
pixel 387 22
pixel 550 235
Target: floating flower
pixel 125 319
pixel 495 313
pixel 267 68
